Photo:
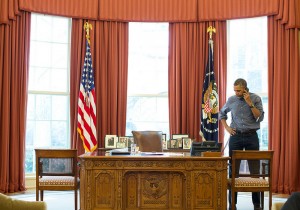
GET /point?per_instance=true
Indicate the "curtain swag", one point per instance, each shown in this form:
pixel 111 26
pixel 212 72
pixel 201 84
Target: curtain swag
pixel 288 11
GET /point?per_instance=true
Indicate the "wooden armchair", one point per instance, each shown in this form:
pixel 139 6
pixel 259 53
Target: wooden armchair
pixel 260 178
pixel 56 169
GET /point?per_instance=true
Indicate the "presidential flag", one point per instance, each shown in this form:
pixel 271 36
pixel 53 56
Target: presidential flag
pixel 210 101
pixel 86 125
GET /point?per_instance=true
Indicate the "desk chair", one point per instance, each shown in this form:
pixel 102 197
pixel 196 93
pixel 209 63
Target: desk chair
pixel 56 169
pixel 259 180
pixel 148 141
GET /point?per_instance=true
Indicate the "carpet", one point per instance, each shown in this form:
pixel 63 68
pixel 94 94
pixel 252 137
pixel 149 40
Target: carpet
pixel 64 200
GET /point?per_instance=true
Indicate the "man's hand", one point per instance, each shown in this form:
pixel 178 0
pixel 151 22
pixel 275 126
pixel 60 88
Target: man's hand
pixel 231 131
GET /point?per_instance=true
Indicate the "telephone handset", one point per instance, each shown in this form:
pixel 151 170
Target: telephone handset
pixel 246 91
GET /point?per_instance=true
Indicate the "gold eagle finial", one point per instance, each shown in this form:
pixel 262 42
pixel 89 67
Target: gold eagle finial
pixel 87 27
pixel 211 30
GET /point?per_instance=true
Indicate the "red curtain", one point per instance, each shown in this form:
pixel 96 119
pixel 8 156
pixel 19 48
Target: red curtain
pixel 14 61
pixel 284 110
pixel 109 48
pixel 188 55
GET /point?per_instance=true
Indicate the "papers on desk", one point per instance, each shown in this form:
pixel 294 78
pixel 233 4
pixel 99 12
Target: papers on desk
pixel 152 153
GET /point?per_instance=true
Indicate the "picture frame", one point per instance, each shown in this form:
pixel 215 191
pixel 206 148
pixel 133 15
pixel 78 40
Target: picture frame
pixel 173 143
pixel 186 143
pixel 164 141
pixel 121 145
pixel 163 136
pixel 130 140
pixel 111 141
pixel 178 136
pixel 179 139
pixel 124 139
pixel 179 143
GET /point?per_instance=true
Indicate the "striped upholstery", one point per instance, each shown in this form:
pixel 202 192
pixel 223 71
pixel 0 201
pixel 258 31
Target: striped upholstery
pixel 249 182
pixel 56 180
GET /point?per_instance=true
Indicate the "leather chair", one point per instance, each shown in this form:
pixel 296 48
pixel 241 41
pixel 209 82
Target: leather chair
pixel 56 169
pixel 148 141
pixel 259 180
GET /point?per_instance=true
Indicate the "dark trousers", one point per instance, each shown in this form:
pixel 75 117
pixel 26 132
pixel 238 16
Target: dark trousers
pixel 247 142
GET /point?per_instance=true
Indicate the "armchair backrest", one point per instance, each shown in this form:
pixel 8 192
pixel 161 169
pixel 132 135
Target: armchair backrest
pixel 148 141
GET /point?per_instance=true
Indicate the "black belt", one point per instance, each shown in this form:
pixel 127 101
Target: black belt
pixel 248 132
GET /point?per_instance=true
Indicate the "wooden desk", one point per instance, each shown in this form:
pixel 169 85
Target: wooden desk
pixel 162 182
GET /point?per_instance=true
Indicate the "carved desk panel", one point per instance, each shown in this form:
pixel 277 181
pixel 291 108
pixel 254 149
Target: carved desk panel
pixel 170 181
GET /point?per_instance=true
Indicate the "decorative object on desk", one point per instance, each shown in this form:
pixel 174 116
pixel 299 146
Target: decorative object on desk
pixel 124 139
pixel 187 142
pixel 179 143
pixel 178 136
pixel 164 141
pixel 121 145
pixel 111 141
pixel 163 136
pixel 173 143
pixel 164 144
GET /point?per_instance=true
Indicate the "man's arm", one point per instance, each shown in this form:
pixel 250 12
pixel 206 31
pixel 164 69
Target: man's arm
pixel 255 111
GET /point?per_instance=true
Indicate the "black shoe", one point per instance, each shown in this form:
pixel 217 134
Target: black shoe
pixel 257 207
pixel 230 208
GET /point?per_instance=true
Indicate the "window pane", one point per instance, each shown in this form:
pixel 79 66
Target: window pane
pixel 147 102
pixel 48 98
pixel 247 58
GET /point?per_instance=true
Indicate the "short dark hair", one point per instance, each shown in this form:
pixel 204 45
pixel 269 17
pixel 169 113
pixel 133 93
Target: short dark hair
pixel 240 82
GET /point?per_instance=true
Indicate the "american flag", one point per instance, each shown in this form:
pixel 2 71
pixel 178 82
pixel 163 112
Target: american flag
pixel 86 125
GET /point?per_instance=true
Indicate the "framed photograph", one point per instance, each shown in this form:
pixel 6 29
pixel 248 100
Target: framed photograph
pixel 186 143
pixel 123 139
pixel 111 141
pixel 120 144
pixel 180 136
pixel 130 140
pixel 179 143
pixel 164 144
pixel 173 143
pixel 164 141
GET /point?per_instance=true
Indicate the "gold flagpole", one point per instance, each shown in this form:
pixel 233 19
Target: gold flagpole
pixel 87 27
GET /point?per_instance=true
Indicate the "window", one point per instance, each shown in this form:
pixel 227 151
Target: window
pixel 147 102
pixel 48 91
pixel 247 58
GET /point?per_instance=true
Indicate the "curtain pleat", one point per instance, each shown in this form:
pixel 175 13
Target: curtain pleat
pixel 188 55
pixel 284 110
pixel 109 47
pixel 148 10
pixel 289 13
pixel 87 9
pixel 209 10
pixel 14 39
